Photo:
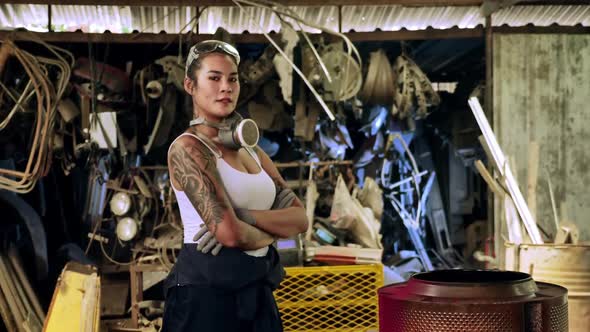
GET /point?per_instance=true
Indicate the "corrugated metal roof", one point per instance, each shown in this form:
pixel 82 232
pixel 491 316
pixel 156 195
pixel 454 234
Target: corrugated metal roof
pixel 393 18
pixel 125 19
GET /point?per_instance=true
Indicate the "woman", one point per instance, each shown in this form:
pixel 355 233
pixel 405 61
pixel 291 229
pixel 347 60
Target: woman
pixel 231 192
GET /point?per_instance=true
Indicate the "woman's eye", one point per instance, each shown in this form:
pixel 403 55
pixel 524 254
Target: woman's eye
pixel 214 78
pixel 233 79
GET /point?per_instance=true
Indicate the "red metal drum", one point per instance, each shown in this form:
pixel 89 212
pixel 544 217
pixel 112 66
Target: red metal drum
pixel 472 300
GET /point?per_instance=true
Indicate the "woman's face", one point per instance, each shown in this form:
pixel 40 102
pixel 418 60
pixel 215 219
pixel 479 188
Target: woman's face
pixel 216 88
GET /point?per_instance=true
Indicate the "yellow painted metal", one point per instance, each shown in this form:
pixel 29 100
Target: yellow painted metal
pixel 330 298
pixel 561 264
pixel 75 305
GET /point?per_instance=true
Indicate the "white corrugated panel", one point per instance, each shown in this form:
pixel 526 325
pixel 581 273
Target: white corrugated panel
pixel 157 19
pixel 258 20
pixel 91 18
pixel 171 19
pixel 543 16
pixel 393 18
pixel 31 17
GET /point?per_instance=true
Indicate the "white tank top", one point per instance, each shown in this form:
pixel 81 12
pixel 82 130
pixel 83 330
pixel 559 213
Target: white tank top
pixel 245 191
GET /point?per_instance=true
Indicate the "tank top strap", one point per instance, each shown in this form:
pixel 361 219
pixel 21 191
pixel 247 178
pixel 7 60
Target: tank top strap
pixel 254 155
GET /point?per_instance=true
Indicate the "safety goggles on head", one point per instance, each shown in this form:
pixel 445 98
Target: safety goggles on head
pixel 209 46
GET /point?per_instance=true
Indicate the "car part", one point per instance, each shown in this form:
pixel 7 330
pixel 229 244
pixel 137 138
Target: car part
pixel 473 300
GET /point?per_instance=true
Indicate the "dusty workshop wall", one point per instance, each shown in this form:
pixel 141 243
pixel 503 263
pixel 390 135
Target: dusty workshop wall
pixel 542 94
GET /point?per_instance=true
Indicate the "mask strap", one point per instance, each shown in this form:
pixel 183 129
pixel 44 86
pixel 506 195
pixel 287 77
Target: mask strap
pixel 197 121
pixel 200 120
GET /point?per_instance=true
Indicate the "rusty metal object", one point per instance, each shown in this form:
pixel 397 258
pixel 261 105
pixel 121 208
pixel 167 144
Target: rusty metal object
pixel 473 300
pixel 19 306
pixel 34 225
pixel 113 297
pixel 5 52
pixel 561 264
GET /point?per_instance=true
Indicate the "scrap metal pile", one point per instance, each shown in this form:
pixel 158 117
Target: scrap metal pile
pixel 369 198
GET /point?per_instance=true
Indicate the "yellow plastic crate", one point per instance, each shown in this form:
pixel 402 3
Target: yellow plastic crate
pixel 330 298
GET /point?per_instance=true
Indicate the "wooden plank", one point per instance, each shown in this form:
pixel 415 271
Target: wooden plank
pixel 533 171
pixel 253 38
pixel 512 221
pixel 531 29
pixel 427 34
pixel 506 171
pixel 136 283
pixel 553 205
pixel 22 278
pixel 246 38
pixel 487 177
pixel 135 277
pixel 6 303
pixel 10 294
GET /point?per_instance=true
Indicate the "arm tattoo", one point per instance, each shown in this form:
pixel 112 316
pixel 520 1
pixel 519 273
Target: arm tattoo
pixel 192 167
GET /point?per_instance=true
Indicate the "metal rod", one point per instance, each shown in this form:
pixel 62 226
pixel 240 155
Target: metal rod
pixel 198 19
pixel 489 54
pixel 406 180
pixel 278 165
pixel 340 18
pixel 22 276
pixel 49 18
pixel 318 163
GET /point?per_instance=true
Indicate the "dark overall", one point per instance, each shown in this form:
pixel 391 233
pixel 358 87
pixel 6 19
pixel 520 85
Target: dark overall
pixel 230 292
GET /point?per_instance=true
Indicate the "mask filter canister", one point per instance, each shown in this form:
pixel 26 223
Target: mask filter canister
pixel 235 132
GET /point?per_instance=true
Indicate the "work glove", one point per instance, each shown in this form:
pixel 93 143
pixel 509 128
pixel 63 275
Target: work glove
pixel 284 199
pixel 208 241
pixel 245 216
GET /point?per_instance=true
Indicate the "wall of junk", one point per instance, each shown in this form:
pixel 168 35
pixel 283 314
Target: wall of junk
pixel 389 164
pixel 86 127
pixel 540 97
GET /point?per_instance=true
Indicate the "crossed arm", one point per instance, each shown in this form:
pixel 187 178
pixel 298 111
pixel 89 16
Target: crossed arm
pixel 284 222
pixel 193 170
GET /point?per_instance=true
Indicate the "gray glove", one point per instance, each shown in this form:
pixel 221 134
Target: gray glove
pixel 245 216
pixel 284 199
pixel 208 241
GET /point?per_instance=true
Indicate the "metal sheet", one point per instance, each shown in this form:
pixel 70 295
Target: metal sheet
pixel 541 93
pixel 171 19
pixel 471 300
pixel 567 266
pixel 113 297
pixel 75 305
pixel 35 227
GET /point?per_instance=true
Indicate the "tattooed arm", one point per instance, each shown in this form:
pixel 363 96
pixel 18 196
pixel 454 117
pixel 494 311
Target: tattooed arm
pixel 193 170
pixel 284 222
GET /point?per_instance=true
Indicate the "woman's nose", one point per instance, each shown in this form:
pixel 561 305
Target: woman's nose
pixel 226 86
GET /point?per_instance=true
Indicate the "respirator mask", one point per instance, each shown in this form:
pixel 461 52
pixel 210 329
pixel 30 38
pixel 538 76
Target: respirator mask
pixel 235 132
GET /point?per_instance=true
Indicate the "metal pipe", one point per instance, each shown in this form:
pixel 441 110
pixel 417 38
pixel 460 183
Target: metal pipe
pixel 490 114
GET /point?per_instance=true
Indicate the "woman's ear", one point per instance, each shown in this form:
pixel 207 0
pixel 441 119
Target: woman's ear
pixel 189 85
